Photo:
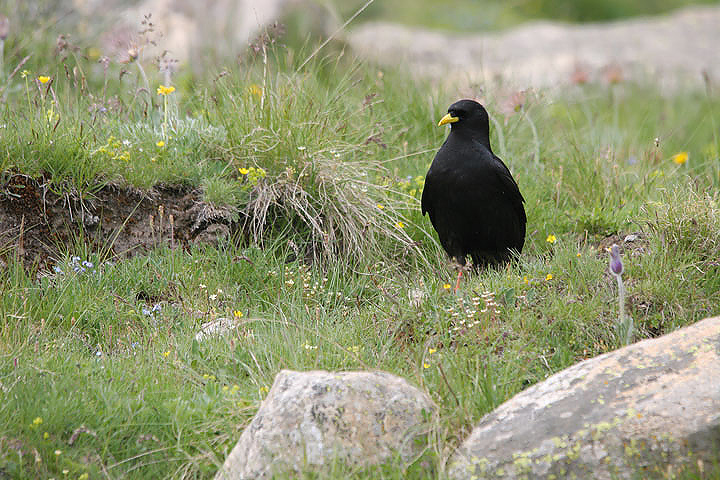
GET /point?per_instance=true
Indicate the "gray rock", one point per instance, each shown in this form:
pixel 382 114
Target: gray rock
pixel 312 419
pixel 673 50
pixel 216 328
pixel 640 410
pixel 630 238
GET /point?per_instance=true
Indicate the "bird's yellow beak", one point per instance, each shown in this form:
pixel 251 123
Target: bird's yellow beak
pixel 447 119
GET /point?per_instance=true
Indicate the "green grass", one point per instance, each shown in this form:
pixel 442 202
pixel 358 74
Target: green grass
pixel 324 278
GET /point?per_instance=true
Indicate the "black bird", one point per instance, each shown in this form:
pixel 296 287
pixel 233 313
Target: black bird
pixel 473 201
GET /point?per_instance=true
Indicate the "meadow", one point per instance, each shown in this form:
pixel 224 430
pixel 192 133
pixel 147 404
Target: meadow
pixel 318 167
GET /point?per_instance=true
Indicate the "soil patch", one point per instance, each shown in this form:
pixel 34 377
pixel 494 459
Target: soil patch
pixel 37 224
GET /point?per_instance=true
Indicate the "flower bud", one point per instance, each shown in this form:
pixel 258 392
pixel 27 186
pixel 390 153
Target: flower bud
pixel 616 265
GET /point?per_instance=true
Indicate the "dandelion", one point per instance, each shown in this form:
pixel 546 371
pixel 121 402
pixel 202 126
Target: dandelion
pixel 551 238
pixel 43 79
pixel 160 144
pixel 400 225
pixel 680 158
pixel 163 90
pixel 548 277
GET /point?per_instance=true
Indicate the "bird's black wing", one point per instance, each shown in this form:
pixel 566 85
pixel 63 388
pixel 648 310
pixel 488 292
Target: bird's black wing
pixel 511 189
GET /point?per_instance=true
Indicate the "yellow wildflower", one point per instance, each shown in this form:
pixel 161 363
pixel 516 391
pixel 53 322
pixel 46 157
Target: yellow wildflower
pixel 37 421
pixel 255 90
pixel 548 277
pixel 160 144
pixel 380 206
pixel 399 225
pixel 432 350
pixel 243 171
pixel 426 365
pixel 43 79
pixel 551 238
pixel 446 286
pixel 166 354
pixel 238 314
pixel 680 158
pixel 525 280
pixel 163 90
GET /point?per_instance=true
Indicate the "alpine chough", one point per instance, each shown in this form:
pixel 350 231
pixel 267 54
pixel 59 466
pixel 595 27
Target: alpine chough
pixel 473 201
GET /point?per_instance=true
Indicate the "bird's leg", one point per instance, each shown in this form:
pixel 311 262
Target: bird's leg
pixel 461 267
pixel 457 283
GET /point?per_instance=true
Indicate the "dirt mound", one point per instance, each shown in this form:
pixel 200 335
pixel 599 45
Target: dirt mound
pixel 37 224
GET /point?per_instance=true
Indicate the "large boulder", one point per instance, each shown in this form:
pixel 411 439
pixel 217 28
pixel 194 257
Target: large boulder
pixel 646 409
pixel 311 419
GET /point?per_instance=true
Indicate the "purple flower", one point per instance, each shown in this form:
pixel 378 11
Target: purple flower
pixel 616 265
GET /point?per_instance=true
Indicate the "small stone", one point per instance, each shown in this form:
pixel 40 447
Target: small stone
pixel 216 328
pixel 630 238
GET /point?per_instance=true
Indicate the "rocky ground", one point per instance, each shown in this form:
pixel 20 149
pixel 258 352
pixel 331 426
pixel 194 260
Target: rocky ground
pixel 674 50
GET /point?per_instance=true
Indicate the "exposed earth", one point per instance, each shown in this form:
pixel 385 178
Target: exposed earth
pixel 37 224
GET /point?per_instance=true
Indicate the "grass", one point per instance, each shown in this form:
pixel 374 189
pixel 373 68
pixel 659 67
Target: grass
pixel 324 278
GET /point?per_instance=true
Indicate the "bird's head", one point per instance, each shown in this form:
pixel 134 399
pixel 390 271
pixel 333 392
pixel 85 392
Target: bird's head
pixel 468 117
